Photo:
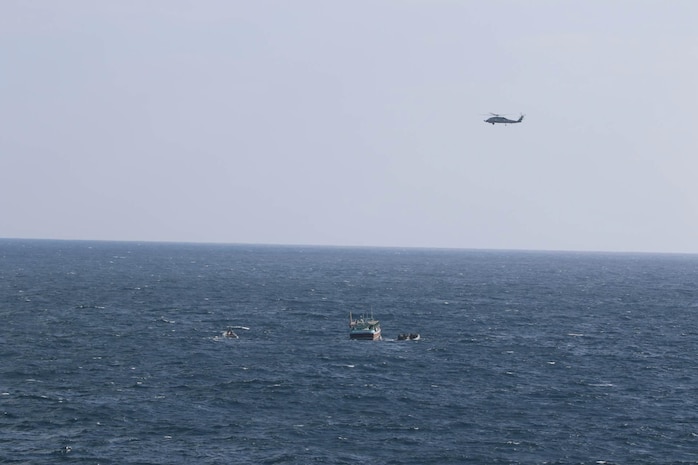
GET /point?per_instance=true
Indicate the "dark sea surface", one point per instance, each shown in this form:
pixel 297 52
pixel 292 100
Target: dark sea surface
pixel 112 353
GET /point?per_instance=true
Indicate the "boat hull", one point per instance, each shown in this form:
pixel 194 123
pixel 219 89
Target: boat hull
pixel 365 336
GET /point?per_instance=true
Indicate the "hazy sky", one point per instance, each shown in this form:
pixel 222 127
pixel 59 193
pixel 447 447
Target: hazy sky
pixel 353 122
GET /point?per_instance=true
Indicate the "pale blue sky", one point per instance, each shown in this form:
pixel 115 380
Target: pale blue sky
pixel 352 122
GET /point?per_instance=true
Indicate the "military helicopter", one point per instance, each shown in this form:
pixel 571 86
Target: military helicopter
pixel 495 118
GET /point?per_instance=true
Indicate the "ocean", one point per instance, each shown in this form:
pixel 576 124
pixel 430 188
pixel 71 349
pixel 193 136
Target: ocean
pixel 113 353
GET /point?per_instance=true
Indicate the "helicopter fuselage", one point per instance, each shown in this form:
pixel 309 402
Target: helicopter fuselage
pixel 503 120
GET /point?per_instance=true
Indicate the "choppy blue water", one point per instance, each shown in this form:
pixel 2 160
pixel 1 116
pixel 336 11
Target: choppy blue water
pixel 112 353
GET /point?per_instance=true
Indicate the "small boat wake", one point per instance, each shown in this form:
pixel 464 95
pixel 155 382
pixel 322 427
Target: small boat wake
pixel 230 334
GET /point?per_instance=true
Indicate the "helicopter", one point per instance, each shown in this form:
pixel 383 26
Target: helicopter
pixel 495 118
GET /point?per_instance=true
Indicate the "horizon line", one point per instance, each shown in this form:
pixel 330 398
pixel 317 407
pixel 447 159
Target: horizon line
pixel 349 246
